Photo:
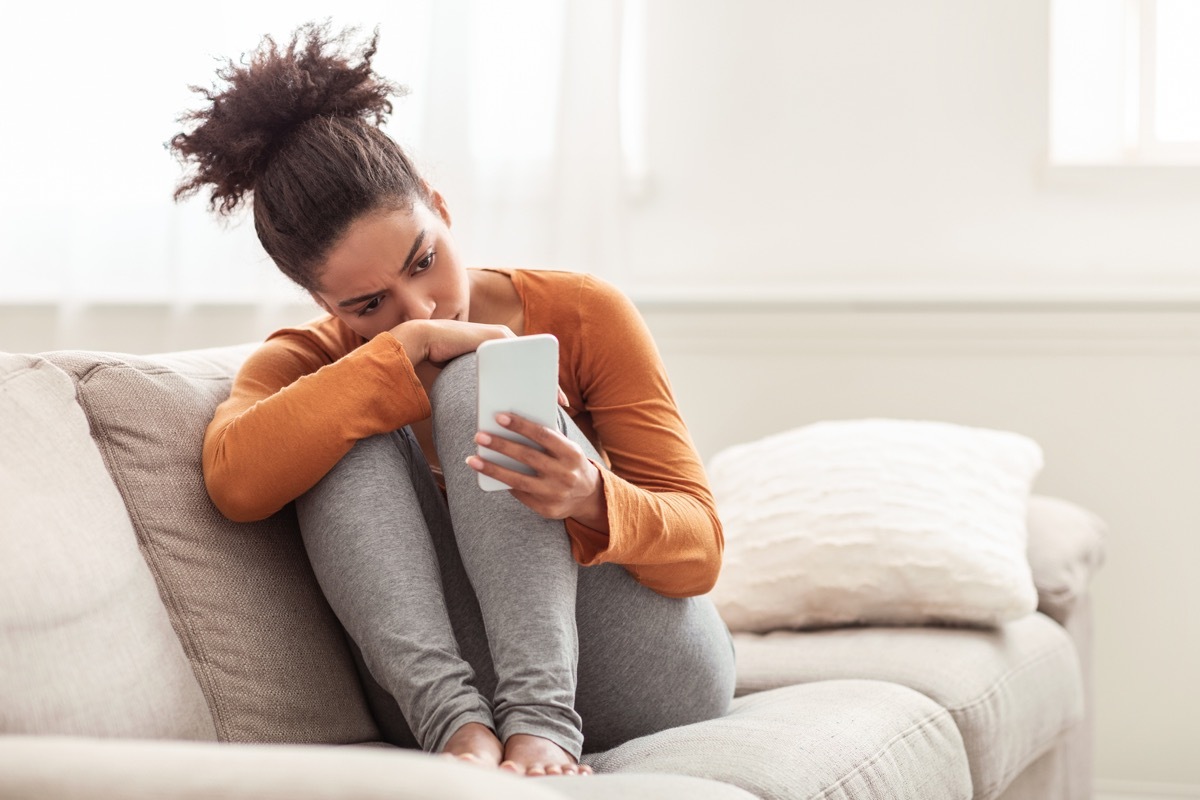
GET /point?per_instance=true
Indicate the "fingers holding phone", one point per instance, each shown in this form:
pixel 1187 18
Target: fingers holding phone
pixel 553 476
pixel 516 376
pixel 519 446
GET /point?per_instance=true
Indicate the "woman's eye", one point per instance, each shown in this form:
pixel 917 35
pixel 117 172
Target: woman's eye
pixel 369 307
pixel 425 263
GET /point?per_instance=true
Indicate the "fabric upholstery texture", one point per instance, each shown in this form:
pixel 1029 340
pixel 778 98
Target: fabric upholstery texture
pixel 85 643
pixel 1011 691
pixel 875 521
pixel 647 787
pixel 63 768
pixel 877 741
pixel 268 653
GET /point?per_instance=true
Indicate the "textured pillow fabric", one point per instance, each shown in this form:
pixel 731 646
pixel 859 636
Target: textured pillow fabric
pixel 877 521
pixel 267 650
pixel 86 647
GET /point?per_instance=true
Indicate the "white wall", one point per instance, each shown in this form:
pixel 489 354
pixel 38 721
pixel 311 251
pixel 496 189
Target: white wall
pixel 867 149
pixel 876 146
pixel 1113 397
pixel 863 150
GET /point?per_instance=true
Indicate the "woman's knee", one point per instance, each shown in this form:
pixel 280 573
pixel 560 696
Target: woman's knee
pixel 453 400
pixel 455 383
pixel 382 453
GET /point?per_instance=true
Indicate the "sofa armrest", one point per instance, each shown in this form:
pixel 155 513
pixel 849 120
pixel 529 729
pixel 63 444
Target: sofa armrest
pixel 62 767
pixel 1065 549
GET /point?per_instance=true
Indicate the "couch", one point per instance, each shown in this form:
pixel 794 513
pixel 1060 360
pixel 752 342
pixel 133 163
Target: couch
pixel 150 648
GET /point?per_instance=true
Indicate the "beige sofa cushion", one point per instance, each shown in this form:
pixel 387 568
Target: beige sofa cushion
pixel 268 652
pixel 61 768
pixel 66 768
pixel 836 740
pixel 85 643
pixel 1012 691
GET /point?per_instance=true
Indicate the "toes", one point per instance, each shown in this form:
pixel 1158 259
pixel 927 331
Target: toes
pixel 554 769
pixel 511 766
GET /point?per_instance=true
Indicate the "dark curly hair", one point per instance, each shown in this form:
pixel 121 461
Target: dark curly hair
pixel 298 129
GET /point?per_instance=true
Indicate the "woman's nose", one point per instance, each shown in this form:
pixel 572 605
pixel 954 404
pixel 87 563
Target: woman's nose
pixel 416 307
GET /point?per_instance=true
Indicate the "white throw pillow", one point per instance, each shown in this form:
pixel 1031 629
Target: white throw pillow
pixel 877 521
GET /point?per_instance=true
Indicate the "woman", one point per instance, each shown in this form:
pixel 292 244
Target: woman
pixel 511 628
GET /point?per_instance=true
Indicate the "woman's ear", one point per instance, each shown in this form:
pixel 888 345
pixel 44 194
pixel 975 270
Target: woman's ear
pixel 439 204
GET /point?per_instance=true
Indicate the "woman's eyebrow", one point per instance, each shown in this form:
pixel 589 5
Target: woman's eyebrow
pixel 407 260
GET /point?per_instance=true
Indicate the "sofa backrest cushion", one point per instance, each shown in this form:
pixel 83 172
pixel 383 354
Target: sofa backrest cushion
pixel 1066 548
pixel 268 652
pixel 86 647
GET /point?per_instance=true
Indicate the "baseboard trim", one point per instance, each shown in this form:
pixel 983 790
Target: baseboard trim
pixel 1144 790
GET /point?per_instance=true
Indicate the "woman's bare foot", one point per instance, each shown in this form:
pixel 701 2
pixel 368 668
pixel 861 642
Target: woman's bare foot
pixel 474 743
pixel 526 754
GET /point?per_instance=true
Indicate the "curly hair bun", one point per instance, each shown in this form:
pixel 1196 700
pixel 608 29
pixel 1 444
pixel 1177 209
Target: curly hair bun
pixel 267 96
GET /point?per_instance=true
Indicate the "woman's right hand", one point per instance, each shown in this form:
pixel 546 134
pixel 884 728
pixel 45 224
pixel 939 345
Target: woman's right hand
pixel 440 340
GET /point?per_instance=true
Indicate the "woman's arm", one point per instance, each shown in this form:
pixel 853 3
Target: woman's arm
pixel 297 406
pixel 662 520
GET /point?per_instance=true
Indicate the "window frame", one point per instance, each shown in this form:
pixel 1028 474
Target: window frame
pixel 1140 143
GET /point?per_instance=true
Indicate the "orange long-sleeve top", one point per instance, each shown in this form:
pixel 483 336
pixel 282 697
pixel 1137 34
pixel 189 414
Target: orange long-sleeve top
pixel 301 401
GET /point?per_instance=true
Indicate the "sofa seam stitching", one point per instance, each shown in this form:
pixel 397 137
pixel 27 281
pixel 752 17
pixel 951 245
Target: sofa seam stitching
pixel 995 687
pixel 13 374
pixel 1006 678
pixel 915 727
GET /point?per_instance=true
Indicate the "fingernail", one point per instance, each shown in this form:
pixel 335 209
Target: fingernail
pixel 504 419
pixel 483 438
pixel 473 462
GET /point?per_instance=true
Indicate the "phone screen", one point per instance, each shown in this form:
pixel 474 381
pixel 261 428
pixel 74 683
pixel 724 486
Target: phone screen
pixel 516 376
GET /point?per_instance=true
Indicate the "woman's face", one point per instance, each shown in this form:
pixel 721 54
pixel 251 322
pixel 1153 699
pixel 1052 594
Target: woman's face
pixel 393 266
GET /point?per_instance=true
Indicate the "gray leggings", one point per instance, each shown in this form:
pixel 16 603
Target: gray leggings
pixel 475 611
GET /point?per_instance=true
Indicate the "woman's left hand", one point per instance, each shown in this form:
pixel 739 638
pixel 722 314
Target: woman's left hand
pixel 564 484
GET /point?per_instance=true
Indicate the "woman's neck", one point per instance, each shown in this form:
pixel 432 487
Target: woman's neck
pixel 495 301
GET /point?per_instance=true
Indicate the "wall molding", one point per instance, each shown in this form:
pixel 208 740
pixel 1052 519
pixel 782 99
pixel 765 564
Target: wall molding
pixel 781 329
pixel 695 326
pixel 885 298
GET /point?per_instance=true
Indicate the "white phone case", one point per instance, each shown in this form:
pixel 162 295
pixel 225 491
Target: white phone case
pixel 518 376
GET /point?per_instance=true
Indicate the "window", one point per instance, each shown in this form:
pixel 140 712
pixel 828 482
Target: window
pixel 86 214
pixel 1125 82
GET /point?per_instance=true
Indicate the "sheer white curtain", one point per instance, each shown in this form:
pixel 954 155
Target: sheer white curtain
pixel 520 113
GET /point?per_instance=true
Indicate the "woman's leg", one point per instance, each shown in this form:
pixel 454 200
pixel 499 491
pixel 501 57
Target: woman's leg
pixel 523 575
pixel 645 662
pixel 373 528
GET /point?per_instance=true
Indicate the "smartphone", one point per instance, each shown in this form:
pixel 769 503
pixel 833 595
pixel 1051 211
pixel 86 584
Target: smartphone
pixel 516 376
